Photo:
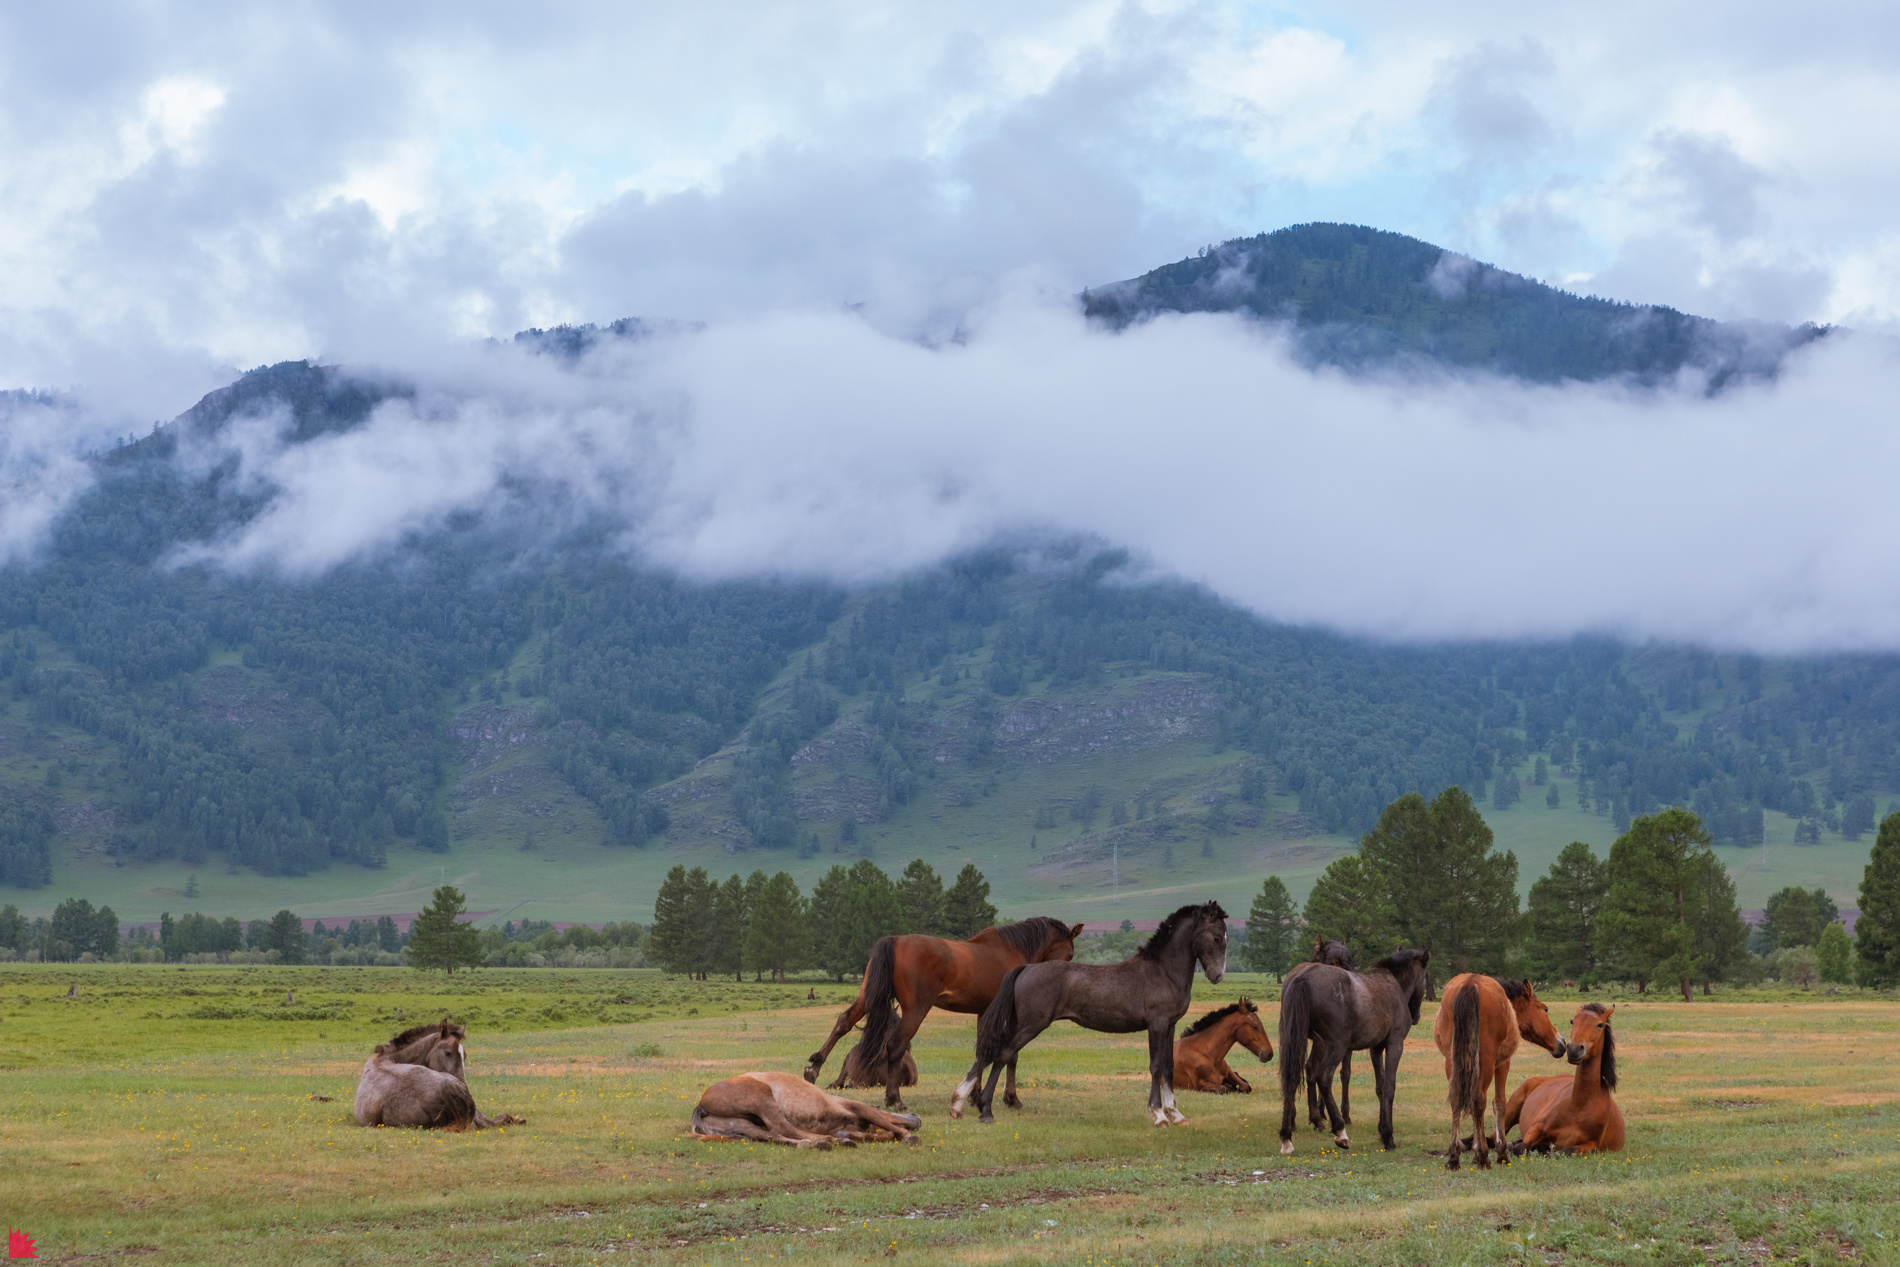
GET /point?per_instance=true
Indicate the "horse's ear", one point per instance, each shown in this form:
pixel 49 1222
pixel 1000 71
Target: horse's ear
pixel 1607 1015
pixel 1075 932
pixel 445 1027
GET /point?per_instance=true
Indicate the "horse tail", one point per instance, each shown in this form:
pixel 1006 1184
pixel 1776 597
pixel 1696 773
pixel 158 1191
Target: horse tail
pixel 455 1111
pixel 1467 1089
pixel 1296 1024
pixel 879 997
pixel 994 1031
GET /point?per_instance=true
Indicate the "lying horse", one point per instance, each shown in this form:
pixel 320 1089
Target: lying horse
pixel 1149 991
pixel 1576 1114
pixel 1200 1054
pixel 397 1088
pixel 782 1108
pixel 914 973
pixel 1341 1011
pixel 1479 1022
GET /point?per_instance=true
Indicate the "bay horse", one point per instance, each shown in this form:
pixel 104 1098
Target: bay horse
pixel 783 1108
pixel 1149 991
pixel 1338 955
pixel 915 973
pixel 1200 1054
pixel 1575 1114
pixel 1479 1022
pixel 442 1048
pixel 1341 1011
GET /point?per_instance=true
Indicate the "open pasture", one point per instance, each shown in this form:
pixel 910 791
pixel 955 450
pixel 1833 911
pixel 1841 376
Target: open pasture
pixel 179 1114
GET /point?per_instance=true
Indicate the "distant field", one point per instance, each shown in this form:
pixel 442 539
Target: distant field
pixel 1761 1126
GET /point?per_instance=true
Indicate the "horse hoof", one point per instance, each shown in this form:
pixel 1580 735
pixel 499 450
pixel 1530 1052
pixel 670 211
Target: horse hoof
pixel 896 1107
pixel 911 1120
pixel 811 1074
pixel 1341 1140
pixel 1177 1117
pixel 1452 1164
pixel 1158 1117
pixel 1286 1148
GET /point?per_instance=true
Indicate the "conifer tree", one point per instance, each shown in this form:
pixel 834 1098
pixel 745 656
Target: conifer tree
pixel 440 939
pixel 778 938
pixel 967 910
pixel 285 936
pixel 920 899
pixel 1444 887
pixel 1721 936
pixel 1657 890
pixel 1564 908
pixel 1795 916
pixel 725 942
pixel 754 893
pixel 1272 929
pixel 1348 903
pixel 682 911
pixel 1877 931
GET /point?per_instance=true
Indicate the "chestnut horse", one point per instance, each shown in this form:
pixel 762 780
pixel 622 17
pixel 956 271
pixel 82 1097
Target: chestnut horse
pixel 915 973
pixel 1334 954
pixel 1479 1022
pixel 1200 1054
pixel 1576 1114
pixel 782 1108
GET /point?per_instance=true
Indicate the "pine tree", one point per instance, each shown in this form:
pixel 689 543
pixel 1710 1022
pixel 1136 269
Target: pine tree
pixel 1657 889
pixel 778 938
pixel 1272 929
pixel 920 899
pixel 725 944
pixel 830 898
pixel 966 907
pixel 1877 932
pixel 754 893
pixel 286 937
pixel 388 936
pixel 681 912
pixel 1721 936
pixel 1348 903
pixel 1564 907
pixel 441 939
pixel 1836 954
pixel 1447 891
pixel 1795 916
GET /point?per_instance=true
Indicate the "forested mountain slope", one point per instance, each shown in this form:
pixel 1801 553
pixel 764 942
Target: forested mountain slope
pixel 1357 296
pixel 557 724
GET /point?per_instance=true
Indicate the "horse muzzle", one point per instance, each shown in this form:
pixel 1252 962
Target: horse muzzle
pixel 1575 1053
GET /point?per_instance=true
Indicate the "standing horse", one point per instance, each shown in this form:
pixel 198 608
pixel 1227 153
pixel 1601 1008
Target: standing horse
pixel 1341 1011
pixel 1338 955
pixel 916 973
pixel 1149 990
pixel 1478 1024
pixel 1576 1114
pixel 1200 1054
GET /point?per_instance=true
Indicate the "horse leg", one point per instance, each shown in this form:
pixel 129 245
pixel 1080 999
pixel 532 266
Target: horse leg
pixel 1161 1105
pixel 961 1095
pixel 895 1054
pixel 1003 1060
pixel 1345 1089
pixel 846 1022
pixel 1498 1100
pixel 1314 1113
pixel 1329 1062
pixel 1385 1083
pixel 1010 1097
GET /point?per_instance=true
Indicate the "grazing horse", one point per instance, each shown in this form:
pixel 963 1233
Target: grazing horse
pixel 1575 1114
pixel 1341 1011
pixel 1478 1024
pixel 1338 955
pixel 1200 1054
pixel 442 1048
pixel 782 1108
pixel 915 973
pixel 1149 991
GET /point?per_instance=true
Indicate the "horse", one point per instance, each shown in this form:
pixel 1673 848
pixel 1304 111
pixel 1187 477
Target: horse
pixel 1575 1114
pixel 1149 990
pixel 1200 1054
pixel 1479 1022
pixel 1341 1011
pixel 915 973
pixel 441 1048
pixel 1338 955
pixel 783 1108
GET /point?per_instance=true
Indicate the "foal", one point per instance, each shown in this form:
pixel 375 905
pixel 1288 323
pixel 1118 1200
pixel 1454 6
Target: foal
pixel 782 1108
pixel 1200 1054
pixel 1479 1022
pixel 1578 1114
pixel 1341 1011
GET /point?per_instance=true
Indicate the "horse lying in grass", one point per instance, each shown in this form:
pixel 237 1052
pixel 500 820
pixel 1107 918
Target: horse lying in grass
pixel 914 973
pixel 1200 1054
pixel 1149 991
pixel 1575 1114
pixel 1340 1011
pixel 420 1078
pixel 1479 1022
pixel 782 1108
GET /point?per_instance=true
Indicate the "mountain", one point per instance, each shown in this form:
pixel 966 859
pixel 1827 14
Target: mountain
pixel 1359 297
pixel 552 726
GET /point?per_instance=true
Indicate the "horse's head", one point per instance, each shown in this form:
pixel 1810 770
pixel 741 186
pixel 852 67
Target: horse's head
pixel 1331 952
pixel 1250 1033
pixel 1590 1037
pixel 450 1053
pixel 1062 942
pixel 1210 941
pixel 1533 1019
pixel 1409 968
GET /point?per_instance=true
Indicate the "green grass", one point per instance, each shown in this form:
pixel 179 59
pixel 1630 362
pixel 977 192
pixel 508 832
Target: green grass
pixel 1760 1126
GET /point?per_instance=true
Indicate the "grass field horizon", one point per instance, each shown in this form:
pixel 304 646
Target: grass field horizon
pixel 1761 1124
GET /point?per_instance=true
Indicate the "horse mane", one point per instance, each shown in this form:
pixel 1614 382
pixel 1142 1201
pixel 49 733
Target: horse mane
pixel 1608 1068
pixel 1030 935
pixel 1399 960
pixel 1209 1020
pixel 1169 927
pixel 415 1032
pixel 1513 988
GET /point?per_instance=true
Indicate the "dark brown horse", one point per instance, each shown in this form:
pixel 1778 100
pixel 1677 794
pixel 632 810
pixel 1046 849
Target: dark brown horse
pixel 1341 1011
pixel 1149 991
pixel 1334 954
pixel 1479 1022
pixel 1200 1054
pixel 914 973
pixel 1576 1114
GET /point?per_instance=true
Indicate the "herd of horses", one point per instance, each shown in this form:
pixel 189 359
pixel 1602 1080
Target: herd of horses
pixel 1021 978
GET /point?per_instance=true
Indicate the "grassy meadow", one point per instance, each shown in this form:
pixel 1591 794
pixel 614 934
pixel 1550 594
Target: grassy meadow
pixel 199 1115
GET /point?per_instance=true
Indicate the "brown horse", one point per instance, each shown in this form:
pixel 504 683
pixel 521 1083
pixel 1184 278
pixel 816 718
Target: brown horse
pixel 443 1048
pixel 915 973
pixel 781 1108
pixel 1479 1022
pixel 1335 954
pixel 1576 1114
pixel 1341 1011
pixel 1200 1054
